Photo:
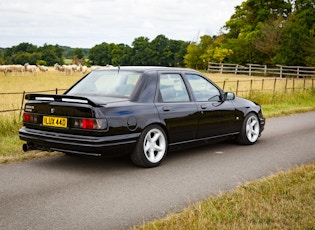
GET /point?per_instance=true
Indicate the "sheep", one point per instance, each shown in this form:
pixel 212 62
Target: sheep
pixel 42 68
pixel 15 68
pixel 30 68
pixel 58 67
pixel 74 67
pixel 94 67
pixel 67 69
pixel 82 68
pixel 4 69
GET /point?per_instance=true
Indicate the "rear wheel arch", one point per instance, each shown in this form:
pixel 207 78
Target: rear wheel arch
pixel 151 147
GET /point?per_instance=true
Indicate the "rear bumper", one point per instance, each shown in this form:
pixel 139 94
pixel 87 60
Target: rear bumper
pixel 79 144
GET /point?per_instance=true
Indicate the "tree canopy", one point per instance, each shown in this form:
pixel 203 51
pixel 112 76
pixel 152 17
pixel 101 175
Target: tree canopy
pixel 264 32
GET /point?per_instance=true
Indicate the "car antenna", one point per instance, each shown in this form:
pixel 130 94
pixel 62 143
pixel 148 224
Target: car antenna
pixel 118 68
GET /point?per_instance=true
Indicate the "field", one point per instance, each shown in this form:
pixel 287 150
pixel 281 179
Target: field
pixel 13 88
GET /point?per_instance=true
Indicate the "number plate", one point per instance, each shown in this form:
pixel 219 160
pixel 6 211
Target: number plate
pixel 60 122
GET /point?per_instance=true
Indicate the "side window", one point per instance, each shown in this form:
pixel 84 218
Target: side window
pixel 203 90
pixel 172 88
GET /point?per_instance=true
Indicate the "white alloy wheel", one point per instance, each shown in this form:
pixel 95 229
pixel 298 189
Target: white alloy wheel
pixel 252 129
pixel 154 145
pixel 151 147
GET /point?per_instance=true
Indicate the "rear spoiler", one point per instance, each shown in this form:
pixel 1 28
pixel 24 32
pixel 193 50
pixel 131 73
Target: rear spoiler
pixel 59 98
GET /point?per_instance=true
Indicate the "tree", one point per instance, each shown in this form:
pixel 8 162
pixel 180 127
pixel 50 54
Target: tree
pixel 297 46
pixel 51 54
pixel 247 28
pixel 78 56
pixel 268 39
pixel 192 58
pixel 100 54
pixel 141 53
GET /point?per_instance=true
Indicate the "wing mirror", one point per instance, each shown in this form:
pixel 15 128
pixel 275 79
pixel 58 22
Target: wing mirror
pixel 229 96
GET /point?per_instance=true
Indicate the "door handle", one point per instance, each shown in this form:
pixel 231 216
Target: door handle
pixel 166 108
pixel 203 106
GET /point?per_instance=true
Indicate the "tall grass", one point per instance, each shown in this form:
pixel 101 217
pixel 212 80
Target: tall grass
pixel 11 145
pixel 284 103
pixel 9 126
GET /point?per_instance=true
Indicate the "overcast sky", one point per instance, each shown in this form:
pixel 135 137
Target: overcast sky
pixel 86 23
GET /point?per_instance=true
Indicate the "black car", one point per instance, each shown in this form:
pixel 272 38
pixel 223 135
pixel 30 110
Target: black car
pixel 141 111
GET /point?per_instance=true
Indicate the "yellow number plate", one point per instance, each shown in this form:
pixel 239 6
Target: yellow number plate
pixel 60 122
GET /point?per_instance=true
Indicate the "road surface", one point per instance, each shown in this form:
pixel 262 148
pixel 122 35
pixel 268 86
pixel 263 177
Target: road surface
pixel 93 193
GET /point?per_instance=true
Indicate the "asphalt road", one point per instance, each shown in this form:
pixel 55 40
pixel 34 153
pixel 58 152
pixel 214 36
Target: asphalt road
pixel 92 193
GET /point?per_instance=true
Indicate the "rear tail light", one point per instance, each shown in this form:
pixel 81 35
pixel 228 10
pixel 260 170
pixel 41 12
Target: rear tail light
pixel 89 123
pixel 30 118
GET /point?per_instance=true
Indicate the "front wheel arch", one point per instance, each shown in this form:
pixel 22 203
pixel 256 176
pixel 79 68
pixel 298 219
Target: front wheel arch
pixel 250 130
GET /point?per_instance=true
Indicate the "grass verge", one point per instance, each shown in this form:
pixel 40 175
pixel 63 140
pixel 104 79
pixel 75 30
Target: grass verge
pixel 11 145
pixel 282 201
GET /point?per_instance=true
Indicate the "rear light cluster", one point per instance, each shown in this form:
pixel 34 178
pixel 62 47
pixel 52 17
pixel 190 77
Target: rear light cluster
pixel 88 123
pixel 30 118
pixel 78 123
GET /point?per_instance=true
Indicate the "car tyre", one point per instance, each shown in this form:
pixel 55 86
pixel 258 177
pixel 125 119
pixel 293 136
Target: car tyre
pixel 151 147
pixel 250 131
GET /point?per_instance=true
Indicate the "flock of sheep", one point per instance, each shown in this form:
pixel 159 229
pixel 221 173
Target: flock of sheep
pixel 69 69
pixel 66 69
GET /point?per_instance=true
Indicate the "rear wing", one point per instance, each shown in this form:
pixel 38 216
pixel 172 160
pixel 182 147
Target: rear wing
pixel 59 98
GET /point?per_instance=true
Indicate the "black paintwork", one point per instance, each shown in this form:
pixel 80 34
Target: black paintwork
pixel 185 123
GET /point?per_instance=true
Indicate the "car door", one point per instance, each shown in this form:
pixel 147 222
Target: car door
pixel 176 108
pixel 218 117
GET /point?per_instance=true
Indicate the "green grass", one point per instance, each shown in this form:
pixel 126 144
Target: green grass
pixel 282 201
pixel 281 103
pixel 11 145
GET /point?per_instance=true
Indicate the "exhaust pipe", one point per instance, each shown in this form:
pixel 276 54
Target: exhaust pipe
pixel 28 147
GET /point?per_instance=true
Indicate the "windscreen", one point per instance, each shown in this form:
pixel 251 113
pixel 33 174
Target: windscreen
pixel 107 83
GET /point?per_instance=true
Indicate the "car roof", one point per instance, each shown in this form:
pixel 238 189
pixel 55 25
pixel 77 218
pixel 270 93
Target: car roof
pixel 146 68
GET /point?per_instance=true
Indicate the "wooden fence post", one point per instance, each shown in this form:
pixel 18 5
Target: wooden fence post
pixel 293 84
pixel 280 71
pixel 298 72
pixel 23 96
pixel 274 85
pixel 262 84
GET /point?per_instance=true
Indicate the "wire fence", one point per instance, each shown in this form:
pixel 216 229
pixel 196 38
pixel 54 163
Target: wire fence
pixel 15 104
pixel 20 96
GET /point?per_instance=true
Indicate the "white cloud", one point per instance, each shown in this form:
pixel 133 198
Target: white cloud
pixel 85 23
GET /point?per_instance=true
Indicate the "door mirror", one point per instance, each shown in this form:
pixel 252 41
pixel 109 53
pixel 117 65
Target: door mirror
pixel 229 96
